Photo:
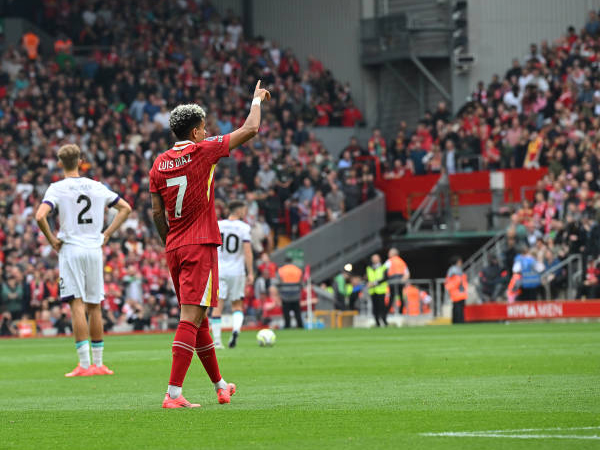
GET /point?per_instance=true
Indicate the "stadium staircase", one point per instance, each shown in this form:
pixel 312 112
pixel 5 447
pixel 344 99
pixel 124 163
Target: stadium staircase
pixel 408 47
pixel 356 235
pixel 433 212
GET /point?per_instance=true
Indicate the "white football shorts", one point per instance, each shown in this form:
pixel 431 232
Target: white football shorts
pixel 81 273
pixel 231 288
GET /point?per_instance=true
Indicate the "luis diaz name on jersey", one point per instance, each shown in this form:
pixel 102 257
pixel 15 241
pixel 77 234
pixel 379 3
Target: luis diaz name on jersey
pixel 174 163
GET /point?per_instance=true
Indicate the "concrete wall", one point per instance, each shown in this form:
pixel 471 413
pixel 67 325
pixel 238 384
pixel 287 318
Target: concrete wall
pixel 500 30
pixel 329 30
pixel 397 104
pixel 223 5
pixel 348 239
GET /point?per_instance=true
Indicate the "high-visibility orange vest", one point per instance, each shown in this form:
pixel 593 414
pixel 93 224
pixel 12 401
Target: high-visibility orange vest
pixel 290 282
pixel 397 266
pixel 457 286
pixel 412 294
pixel 514 287
pixel 31 43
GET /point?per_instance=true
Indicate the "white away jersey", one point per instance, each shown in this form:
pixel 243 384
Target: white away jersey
pixel 80 202
pixel 231 253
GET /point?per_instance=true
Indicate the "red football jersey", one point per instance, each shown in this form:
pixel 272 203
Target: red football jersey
pixel 183 176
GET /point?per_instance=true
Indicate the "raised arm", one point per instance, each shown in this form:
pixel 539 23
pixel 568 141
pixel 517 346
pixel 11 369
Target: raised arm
pixel 123 210
pixel 41 217
pixel 159 217
pixel 250 127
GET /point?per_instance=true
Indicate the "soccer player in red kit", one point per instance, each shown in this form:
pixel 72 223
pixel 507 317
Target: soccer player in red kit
pixel 182 186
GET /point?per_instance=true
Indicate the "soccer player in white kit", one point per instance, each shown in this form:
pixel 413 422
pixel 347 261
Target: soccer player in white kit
pixel 81 203
pixel 235 251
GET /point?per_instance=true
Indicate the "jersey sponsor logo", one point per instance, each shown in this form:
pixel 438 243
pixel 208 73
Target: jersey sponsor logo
pixel 174 163
pixel 214 138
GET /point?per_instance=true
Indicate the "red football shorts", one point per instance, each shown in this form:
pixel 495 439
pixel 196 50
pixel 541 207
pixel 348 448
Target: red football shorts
pixel 195 273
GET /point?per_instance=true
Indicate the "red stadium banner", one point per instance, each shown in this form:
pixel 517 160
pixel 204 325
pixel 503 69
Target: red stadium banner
pixel 491 312
pixel 405 194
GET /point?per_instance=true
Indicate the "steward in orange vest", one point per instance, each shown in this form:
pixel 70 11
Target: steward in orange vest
pixel 31 43
pixel 456 285
pixel 514 287
pixel 289 284
pixel 398 274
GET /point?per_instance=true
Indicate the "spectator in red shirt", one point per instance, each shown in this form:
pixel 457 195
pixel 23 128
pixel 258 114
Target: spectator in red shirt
pixel 315 66
pixel 351 115
pixel 425 135
pixel 324 111
pixel 491 156
pixel 112 294
pixel 318 210
pixel 266 266
pixel 590 288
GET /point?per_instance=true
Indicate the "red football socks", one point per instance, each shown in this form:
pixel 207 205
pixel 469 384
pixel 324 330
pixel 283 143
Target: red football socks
pixel 183 351
pixel 205 349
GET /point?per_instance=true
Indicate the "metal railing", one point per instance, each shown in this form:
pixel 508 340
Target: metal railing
pixel 431 200
pixel 428 284
pixel 442 206
pixel 574 266
pixel 403 34
pixel 478 260
pixel 440 296
pixel 525 190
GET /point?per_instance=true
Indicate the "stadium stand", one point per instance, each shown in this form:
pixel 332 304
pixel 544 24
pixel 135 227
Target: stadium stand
pixel 542 112
pixel 109 87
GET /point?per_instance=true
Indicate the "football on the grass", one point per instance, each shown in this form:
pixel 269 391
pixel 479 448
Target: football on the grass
pixel 265 337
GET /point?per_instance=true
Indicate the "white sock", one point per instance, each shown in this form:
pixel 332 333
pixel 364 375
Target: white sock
pixel 83 351
pixel 215 323
pixel 221 384
pixel 238 320
pixel 174 391
pixel 97 351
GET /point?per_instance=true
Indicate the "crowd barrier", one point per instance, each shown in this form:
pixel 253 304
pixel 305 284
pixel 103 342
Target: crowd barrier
pixel 531 310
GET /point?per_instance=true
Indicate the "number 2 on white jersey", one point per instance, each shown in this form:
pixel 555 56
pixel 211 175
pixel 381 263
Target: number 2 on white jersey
pixel 182 183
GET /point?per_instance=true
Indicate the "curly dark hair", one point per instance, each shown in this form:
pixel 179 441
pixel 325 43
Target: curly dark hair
pixel 184 118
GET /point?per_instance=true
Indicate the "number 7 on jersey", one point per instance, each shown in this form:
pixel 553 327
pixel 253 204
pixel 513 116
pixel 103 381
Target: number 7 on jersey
pixel 182 183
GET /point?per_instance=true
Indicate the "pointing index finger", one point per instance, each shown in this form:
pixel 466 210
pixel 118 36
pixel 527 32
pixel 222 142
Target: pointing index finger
pixel 258 85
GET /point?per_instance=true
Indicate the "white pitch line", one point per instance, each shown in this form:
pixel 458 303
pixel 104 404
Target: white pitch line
pixel 521 430
pixel 512 436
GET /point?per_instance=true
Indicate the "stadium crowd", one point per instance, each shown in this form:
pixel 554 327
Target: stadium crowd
pixel 109 87
pixel 544 111
pixel 561 221
pixel 114 102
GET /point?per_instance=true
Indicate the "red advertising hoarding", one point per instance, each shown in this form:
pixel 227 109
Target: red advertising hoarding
pixel 490 312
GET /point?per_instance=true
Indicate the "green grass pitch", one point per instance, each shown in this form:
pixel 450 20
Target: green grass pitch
pixel 487 386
